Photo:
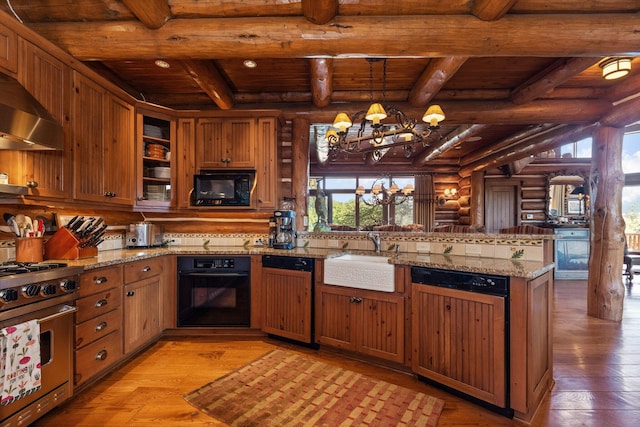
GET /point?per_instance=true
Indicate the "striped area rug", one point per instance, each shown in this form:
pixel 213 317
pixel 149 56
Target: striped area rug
pixel 287 389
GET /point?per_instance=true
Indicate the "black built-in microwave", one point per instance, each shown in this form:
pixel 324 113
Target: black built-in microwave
pixel 223 188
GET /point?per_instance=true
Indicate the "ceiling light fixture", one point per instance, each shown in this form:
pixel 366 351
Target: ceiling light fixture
pixel 249 63
pixel 380 136
pixel 615 68
pixel 162 64
pixel 379 195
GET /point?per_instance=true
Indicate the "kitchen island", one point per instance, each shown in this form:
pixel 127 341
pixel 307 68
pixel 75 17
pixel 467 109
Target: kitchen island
pixel 528 333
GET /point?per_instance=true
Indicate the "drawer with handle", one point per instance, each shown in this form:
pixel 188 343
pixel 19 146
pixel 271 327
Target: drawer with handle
pixel 142 269
pixel 96 328
pixel 95 305
pixel 100 279
pixel 97 356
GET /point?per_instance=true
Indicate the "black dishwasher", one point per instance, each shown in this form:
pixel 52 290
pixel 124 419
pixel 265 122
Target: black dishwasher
pixel 287 289
pixel 462 336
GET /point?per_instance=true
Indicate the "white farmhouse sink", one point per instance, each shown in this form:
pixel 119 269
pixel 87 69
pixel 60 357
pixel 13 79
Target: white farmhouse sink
pixel 360 271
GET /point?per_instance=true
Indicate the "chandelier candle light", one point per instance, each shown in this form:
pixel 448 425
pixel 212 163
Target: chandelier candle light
pixel 379 195
pixel 382 136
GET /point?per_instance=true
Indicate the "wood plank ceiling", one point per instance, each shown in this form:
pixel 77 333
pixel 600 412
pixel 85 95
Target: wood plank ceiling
pixel 514 77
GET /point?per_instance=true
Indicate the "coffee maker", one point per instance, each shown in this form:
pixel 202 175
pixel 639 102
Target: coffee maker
pixel 285 229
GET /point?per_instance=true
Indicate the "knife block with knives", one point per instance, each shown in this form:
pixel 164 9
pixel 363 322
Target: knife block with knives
pixel 78 239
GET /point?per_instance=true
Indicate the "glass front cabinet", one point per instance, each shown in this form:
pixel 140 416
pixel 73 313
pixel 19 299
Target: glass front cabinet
pixel 156 135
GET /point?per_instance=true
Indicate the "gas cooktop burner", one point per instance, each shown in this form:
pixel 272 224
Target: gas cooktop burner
pixel 10 268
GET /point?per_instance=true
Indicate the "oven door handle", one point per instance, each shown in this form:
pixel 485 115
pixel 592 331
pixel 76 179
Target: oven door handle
pixel 64 310
pixel 214 274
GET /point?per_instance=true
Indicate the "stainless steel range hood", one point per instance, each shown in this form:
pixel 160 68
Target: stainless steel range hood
pixel 24 123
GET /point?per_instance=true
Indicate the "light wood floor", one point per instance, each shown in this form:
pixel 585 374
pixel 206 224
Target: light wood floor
pixel 597 373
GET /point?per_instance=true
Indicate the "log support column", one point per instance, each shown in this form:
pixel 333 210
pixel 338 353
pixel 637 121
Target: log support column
pixel 605 295
pixel 300 169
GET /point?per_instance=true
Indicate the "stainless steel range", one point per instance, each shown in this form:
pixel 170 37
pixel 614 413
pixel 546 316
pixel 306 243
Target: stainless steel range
pixel 46 293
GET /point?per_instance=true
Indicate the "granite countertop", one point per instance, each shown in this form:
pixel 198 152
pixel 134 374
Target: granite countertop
pixel 498 266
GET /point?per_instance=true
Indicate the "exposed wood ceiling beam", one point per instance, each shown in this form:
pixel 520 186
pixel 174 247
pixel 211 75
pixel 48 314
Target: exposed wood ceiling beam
pixel 207 76
pixel 394 96
pixel 319 11
pixel 321 81
pixel 451 140
pixel 576 35
pixel 491 10
pixel 622 114
pixel 433 78
pixel 556 74
pixel 152 13
pixel 505 143
pixel 487 112
pixel 536 144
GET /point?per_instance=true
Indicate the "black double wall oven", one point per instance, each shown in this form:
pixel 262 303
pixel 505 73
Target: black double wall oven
pixel 214 291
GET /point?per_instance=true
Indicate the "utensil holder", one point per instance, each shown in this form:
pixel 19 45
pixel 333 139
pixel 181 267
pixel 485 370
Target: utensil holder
pixel 29 249
pixel 64 245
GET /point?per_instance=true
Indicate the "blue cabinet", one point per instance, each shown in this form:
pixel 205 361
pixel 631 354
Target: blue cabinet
pixel 572 253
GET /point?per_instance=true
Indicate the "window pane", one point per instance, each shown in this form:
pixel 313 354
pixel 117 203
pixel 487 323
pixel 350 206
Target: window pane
pixel 404 212
pixel 370 216
pixel 584 148
pixel 343 209
pixel 340 183
pixel 631 153
pixel 631 209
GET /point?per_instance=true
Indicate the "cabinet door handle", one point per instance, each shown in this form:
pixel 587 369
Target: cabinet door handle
pixel 146 269
pixel 130 293
pixel 101 326
pixel 355 299
pixel 101 302
pixel 100 280
pixel 101 355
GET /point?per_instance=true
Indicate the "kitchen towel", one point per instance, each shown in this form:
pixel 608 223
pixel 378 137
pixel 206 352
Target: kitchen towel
pixel 20 373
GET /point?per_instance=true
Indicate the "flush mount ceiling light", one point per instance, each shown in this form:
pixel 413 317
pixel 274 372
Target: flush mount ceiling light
pixel 381 136
pixel 249 63
pixel 162 64
pixel 615 68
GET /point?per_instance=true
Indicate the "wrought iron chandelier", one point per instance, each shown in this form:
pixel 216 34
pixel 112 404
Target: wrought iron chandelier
pixel 381 196
pixel 382 136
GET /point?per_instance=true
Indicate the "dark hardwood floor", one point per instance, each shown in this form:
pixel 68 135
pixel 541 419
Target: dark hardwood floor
pixel 597 373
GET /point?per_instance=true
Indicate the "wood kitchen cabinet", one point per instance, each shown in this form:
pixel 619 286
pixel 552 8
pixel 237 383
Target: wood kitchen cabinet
pixel 287 306
pixel 366 322
pixel 103 140
pixel 98 334
pixel 49 81
pixel 185 159
pixel 155 159
pixel 8 50
pixel 531 342
pixel 225 142
pixel 267 171
pixel 459 340
pixel 142 303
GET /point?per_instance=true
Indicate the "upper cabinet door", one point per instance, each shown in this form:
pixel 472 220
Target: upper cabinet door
pixel 88 133
pixel 118 152
pixel 225 143
pixel 8 50
pixel 240 142
pixel 103 155
pixel 48 80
